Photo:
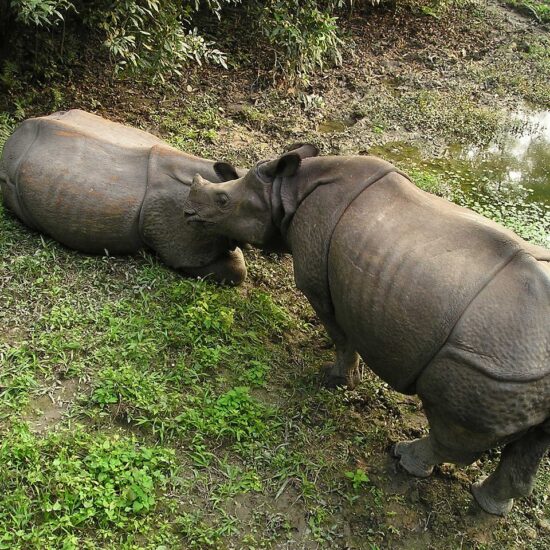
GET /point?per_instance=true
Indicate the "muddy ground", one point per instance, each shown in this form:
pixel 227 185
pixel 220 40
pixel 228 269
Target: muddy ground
pixel 407 76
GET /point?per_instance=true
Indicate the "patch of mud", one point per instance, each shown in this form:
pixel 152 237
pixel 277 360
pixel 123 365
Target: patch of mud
pixel 46 411
pixel 12 335
pixel 330 126
pixel 283 519
pixel 516 159
pixel 410 524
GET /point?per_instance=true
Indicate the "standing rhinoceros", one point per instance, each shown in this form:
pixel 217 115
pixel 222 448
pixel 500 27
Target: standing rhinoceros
pixel 438 300
pixel 98 186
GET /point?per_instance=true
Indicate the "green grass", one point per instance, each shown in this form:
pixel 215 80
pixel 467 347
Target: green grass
pixel 141 410
pixel 187 400
pixel 194 128
pixel 74 482
pixel 538 9
pixel 166 355
pixel 179 408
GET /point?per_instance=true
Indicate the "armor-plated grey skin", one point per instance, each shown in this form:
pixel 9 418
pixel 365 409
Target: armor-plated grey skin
pixel 97 186
pixel 438 300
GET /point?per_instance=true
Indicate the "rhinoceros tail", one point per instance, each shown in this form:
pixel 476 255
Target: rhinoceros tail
pixel 10 198
pixel 3 176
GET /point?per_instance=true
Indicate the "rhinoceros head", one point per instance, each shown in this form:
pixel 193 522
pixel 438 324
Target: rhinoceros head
pixel 241 209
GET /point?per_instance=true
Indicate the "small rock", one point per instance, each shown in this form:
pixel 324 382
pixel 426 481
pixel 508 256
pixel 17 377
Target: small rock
pixel 530 533
pixel 235 108
pixel 544 524
pixel 414 495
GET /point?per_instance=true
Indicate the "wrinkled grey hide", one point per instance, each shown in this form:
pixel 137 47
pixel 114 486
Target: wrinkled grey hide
pixel 438 301
pixel 97 186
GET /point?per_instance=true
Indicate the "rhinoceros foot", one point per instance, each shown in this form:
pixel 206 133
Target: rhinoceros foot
pixel 333 377
pixel 486 499
pixel 416 456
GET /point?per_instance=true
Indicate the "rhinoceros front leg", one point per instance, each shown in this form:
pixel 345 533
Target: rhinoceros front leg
pixel 515 473
pixel 230 268
pixel 345 371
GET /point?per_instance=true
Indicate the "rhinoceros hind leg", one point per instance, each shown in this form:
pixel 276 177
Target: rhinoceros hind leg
pixel 515 473
pixel 419 456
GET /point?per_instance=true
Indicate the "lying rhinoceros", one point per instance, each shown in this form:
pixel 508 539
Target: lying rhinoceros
pixel 438 300
pixel 98 186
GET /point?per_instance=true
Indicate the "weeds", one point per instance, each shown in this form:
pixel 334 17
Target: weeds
pixel 194 128
pixel 199 420
pixel 358 479
pixel 7 126
pixel 71 481
pixel 538 9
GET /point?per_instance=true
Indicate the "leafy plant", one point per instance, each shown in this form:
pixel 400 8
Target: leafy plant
pixel 7 126
pixel 538 9
pixel 199 534
pixel 42 13
pixel 234 415
pixel 358 478
pixel 152 38
pixel 302 36
pixel 157 39
pixel 71 480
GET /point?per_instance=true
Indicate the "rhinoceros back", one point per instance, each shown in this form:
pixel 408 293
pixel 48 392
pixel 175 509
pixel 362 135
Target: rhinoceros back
pixel 406 267
pixel 80 179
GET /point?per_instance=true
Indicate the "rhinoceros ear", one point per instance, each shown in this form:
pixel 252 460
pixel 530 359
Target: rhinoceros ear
pixel 305 150
pixel 226 171
pixel 283 167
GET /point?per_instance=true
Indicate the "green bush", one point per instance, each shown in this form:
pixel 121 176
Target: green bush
pixel 152 37
pixel 156 39
pixel 301 35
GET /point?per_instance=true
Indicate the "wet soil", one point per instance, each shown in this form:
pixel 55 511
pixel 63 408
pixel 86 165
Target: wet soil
pixel 394 96
pixel 46 411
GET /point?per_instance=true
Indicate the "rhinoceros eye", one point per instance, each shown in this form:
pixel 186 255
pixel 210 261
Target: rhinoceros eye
pixel 222 199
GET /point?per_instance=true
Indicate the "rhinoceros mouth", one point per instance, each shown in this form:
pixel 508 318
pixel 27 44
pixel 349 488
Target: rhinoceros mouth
pixel 193 217
pixel 195 220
